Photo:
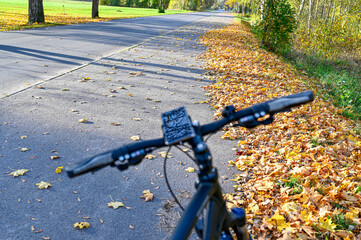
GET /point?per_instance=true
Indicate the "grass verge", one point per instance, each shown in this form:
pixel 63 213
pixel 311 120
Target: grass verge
pixel 14 13
pixel 337 81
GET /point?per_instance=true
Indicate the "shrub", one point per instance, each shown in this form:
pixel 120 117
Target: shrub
pixel 277 25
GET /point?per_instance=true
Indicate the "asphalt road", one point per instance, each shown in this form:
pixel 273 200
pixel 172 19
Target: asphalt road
pixel 31 56
pixel 130 89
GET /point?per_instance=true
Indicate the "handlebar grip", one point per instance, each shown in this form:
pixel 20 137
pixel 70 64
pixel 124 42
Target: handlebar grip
pixel 90 164
pixel 284 103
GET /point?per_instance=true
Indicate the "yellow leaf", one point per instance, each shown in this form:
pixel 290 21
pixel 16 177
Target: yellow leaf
pixel 190 170
pixel 19 172
pixel 59 169
pixel 163 154
pixel 147 195
pixel 278 218
pixel 135 138
pixel 327 224
pixel 83 120
pixel 115 205
pixel 150 157
pixel 24 149
pixel 81 225
pixel 43 185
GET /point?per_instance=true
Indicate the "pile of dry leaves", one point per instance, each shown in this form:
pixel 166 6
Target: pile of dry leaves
pixel 299 178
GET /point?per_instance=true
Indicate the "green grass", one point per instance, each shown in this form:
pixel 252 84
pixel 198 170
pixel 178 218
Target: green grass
pixel 14 13
pixel 337 81
pixel 81 9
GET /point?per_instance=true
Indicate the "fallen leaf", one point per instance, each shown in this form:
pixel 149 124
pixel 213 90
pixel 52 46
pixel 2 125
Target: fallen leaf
pixel 147 195
pixel 115 123
pixel 135 138
pixel 54 157
pixel 190 170
pixel 115 205
pixel 150 157
pixel 81 225
pixel 24 149
pixel 19 172
pixel 59 169
pixel 327 224
pixel 131 227
pixel 83 120
pixel 43 185
pixel 164 153
pixel 136 119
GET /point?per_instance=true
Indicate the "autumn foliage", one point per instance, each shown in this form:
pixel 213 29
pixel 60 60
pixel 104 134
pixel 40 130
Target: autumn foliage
pixel 299 178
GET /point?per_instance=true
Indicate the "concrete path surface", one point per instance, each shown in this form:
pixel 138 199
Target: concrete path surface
pixel 121 95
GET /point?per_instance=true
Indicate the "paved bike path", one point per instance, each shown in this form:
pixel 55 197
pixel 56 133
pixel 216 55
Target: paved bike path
pixel 121 96
pixel 30 56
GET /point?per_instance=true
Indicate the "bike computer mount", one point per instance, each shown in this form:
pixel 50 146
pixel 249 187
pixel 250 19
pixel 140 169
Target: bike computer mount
pixel 177 126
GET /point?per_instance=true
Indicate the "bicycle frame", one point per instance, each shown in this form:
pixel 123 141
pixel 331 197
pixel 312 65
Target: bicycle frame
pixel 208 196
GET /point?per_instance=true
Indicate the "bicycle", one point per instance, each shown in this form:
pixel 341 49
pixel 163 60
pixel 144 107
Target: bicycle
pixel 217 223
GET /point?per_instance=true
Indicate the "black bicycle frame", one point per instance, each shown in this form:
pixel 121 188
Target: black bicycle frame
pixel 208 195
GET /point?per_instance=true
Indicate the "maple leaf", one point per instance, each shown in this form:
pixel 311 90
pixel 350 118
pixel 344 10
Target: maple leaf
pixel 81 225
pixel 115 205
pixel 147 195
pixel 43 185
pixel 189 169
pixel 19 172
pixel 327 224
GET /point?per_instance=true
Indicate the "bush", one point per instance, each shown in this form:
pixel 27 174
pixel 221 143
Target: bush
pixel 277 25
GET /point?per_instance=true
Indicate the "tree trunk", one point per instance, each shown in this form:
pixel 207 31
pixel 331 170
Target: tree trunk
pixel 309 16
pixel 262 9
pixel 301 9
pixel 36 11
pixel 316 12
pixel 333 12
pixel 328 13
pixel 95 8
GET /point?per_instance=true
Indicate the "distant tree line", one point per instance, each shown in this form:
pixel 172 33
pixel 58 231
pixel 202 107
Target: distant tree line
pixel 162 4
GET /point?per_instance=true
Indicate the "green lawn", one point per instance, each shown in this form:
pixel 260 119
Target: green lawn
pixel 13 13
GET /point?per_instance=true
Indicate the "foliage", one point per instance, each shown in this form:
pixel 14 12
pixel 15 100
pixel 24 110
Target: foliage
pixel 277 25
pixel 312 147
pixel 192 5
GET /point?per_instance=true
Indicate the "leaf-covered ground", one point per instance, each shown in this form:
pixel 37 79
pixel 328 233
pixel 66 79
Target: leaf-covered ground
pixel 299 178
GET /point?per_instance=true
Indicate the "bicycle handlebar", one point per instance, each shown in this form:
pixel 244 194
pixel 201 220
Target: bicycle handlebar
pixel 133 153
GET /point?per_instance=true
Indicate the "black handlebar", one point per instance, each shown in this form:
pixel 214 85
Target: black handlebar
pixel 132 154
